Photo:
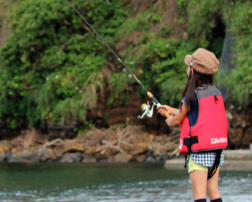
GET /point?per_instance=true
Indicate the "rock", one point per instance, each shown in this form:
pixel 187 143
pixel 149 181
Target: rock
pixel 122 158
pixel 17 150
pixel 164 156
pixel 8 155
pixel 71 157
pixel 150 159
pixel 77 157
pixel 140 158
pixel 88 158
pixel 47 155
pixel 5 145
pixel 111 159
pixel 42 151
pixel 14 158
pixel 102 160
pixel 66 158
pixel 141 148
pixel 29 155
pixel 2 157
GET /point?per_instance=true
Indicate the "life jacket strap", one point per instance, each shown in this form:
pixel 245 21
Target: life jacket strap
pixel 189 141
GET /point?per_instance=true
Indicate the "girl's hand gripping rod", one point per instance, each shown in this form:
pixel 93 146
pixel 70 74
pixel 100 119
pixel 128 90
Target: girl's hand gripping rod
pixel 147 110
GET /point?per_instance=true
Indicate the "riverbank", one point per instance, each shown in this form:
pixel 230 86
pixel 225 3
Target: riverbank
pixel 119 145
pixel 234 160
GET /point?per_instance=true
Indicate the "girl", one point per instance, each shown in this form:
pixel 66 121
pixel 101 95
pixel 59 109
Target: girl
pixel 204 125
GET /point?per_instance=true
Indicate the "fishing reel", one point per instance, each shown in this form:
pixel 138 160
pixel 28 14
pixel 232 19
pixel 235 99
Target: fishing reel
pixel 147 110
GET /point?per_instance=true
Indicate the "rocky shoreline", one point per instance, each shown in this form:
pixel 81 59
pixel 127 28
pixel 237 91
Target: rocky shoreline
pixel 119 144
pixel 128 144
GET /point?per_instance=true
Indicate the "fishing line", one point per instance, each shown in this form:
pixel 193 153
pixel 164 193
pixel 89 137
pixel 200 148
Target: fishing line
pixel 226 63
pixel 156 102
pixel 107 46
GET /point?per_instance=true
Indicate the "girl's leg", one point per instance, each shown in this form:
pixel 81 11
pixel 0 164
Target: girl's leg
pixel 212 187
pixel 199 184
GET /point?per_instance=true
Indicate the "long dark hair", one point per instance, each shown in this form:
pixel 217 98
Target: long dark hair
pixel 194 80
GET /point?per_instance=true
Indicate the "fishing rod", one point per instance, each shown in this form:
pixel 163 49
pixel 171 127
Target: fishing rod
pixel 148 111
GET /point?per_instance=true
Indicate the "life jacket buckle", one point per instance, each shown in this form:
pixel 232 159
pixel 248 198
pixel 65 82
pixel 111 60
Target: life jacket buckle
pixel 189 141
pixel 216 99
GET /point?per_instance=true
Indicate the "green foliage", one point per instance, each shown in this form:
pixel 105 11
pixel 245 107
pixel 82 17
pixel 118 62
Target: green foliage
pixel 240 83
pixel 156 17
pixel 182 6
pixel 113 127
pixel 217 46
pixel 117 81
pixel 1 21
pixel 53 68
pixel 133 24
pixel 158 63
pixel 84 128
pixel 202 19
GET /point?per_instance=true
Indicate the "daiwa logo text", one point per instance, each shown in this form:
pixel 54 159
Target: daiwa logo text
pixel 218 140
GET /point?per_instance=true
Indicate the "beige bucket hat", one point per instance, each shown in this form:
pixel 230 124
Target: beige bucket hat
pixel 203 61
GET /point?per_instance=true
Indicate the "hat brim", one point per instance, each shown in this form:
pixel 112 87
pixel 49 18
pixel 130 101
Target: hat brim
pixel 188 59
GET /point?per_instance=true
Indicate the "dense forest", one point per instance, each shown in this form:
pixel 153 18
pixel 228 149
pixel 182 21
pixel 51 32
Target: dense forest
pixel 54 69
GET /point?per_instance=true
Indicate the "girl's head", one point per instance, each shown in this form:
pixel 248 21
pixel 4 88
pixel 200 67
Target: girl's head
pixel 201 67
pixel 203 61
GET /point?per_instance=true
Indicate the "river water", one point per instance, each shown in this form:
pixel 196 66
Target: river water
pixel 103 182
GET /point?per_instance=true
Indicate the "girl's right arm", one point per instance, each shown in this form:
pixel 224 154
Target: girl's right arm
pixel 178 118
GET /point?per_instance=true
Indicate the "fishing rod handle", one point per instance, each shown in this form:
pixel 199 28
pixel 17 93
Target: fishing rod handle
pixel 157 103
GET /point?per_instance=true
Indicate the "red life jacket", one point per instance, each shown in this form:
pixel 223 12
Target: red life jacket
pixel 210 130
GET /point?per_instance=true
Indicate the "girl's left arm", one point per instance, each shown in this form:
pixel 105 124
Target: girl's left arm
pixel 178 118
